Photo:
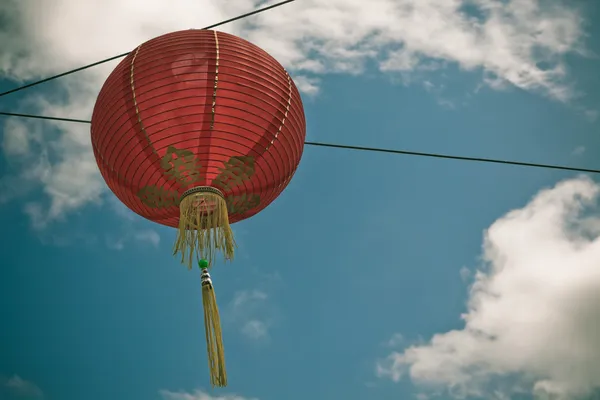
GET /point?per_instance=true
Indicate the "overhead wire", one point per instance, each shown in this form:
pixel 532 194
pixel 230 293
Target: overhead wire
pixel 51 78
pixel 80 121
pixel 371 149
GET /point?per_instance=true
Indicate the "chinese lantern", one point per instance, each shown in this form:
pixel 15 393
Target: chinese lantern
pixel 196 130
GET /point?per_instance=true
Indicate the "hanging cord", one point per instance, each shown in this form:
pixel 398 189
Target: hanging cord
pixel 51 78
pixel 375 149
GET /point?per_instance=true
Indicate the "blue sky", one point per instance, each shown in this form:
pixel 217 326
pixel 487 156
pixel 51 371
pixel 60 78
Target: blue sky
pixel 364 256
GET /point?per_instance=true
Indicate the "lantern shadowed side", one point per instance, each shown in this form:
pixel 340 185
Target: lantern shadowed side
pixel 197 108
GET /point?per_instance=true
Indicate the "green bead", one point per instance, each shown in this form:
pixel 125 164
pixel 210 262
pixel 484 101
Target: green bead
pixel 203 264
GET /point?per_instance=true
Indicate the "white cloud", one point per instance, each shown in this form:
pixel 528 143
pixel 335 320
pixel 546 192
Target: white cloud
pixel 16 138
pixel 250 311
pixel 59 159
pixel 200 395
pixel 121 209
pixel 533 311
pixel 148 236
pixel 579 150
pixel 307 85
pixel 20 388
pixel 465 274
pixel 591 115
pixel 438 93
pixel 130 230
pixel 510 41
pixel 245 297
pixel 396 340
pixel 144 236
pixel 255 329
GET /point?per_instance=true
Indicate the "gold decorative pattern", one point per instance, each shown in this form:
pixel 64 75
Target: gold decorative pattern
pixel 234 172
pixel 242 203
pixel 158 197
pixel 181 166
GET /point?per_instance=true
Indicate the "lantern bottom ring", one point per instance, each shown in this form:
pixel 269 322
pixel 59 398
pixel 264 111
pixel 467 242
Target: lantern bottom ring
pixel 202 189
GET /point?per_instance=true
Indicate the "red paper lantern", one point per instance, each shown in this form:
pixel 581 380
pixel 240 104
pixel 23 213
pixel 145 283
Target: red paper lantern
pixel 198 129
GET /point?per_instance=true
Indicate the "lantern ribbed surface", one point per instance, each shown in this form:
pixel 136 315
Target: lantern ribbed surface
pixel 197 108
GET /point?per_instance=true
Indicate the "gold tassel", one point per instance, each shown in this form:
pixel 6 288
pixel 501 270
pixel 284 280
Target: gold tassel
pixel 203 226
pixel 204 229
pixel 212 326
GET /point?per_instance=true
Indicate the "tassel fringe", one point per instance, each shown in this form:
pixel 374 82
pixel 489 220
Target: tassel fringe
pixel 203 228
pixel 214 339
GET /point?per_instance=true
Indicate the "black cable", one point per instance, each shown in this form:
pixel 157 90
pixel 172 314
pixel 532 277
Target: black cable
pixel 373 149
pixel 17 89
pixel 462 158
pixel 81 121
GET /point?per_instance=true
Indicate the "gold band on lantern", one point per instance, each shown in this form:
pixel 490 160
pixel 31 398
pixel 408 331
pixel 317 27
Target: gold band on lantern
pixel 287 110
pixel 203 226
pixel 135 102
pixel 216 85
pixel 201 189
